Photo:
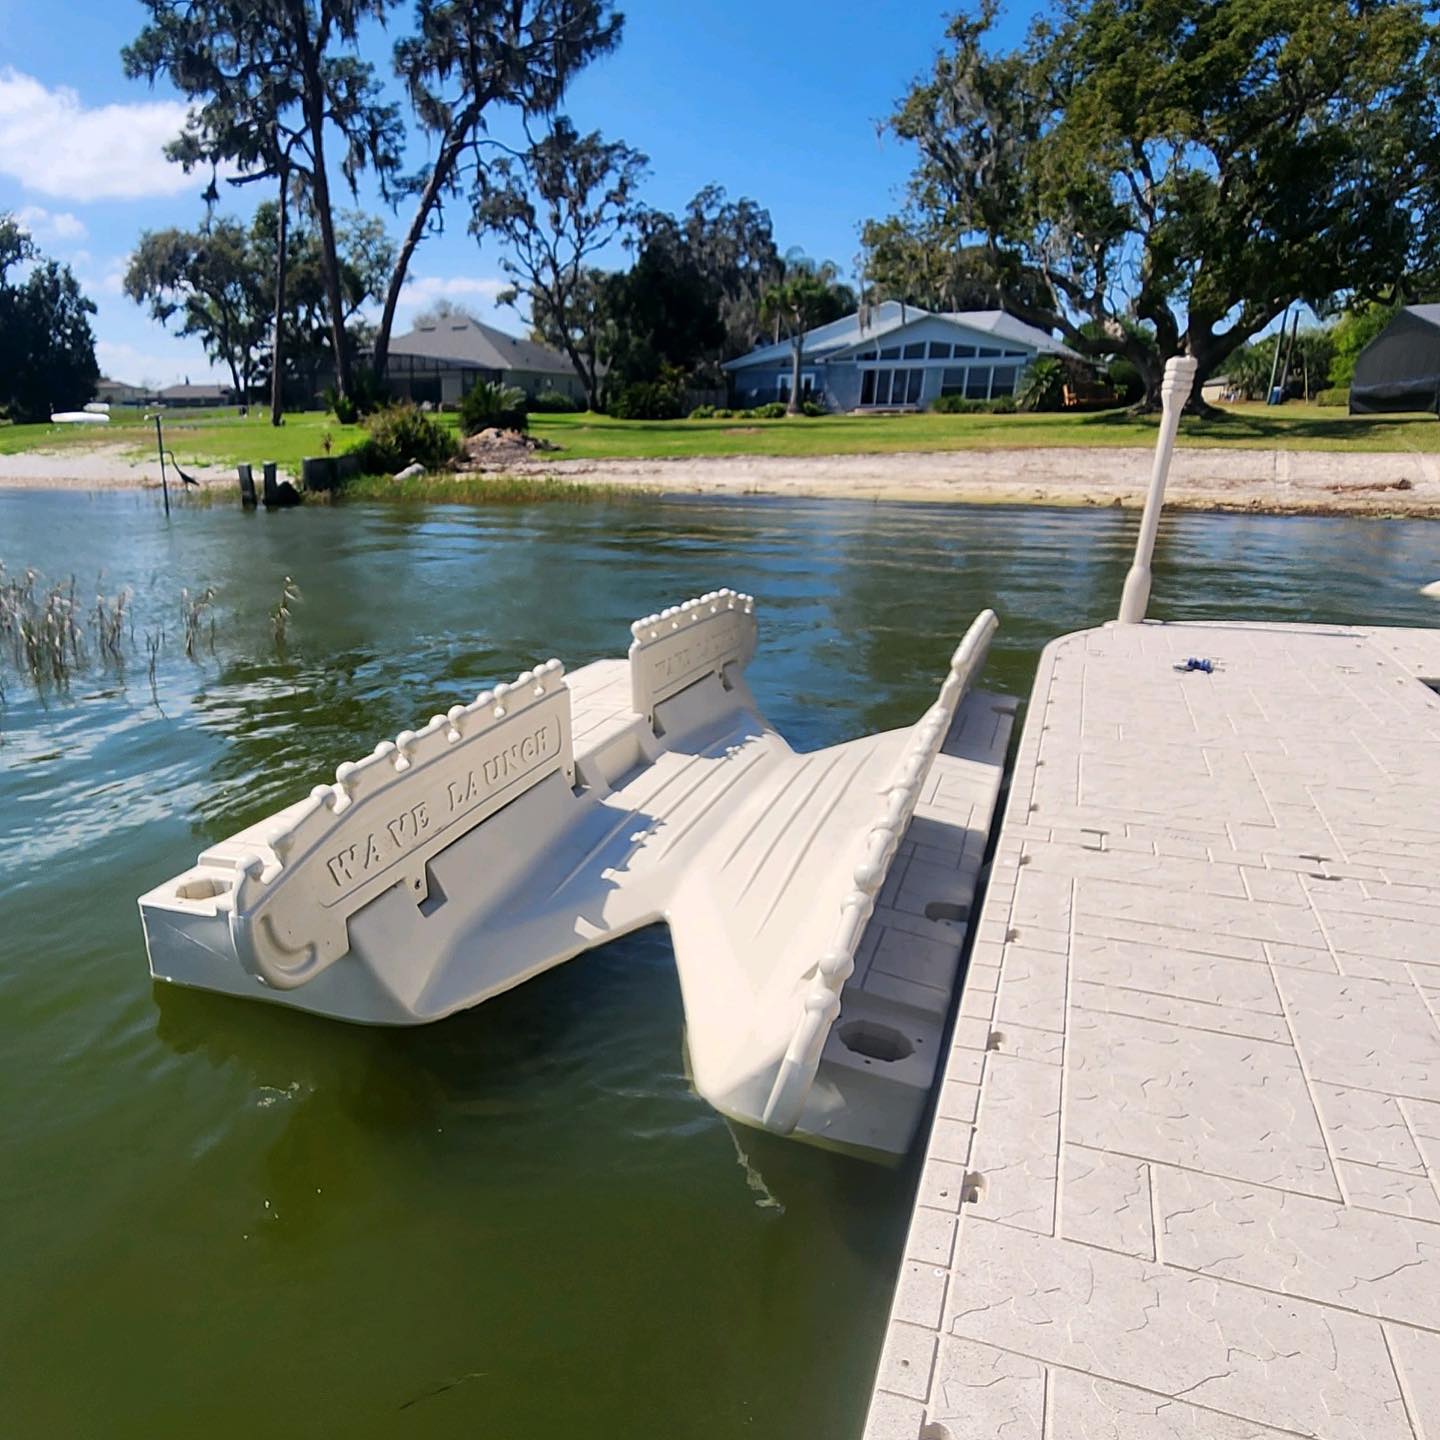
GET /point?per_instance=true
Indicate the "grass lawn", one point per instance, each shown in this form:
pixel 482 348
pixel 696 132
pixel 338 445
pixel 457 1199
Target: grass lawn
pixel 1291 427
pixel 223 437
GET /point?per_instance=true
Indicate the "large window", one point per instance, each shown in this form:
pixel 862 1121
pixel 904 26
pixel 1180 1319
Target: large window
pixel 807 386
pixel 891 387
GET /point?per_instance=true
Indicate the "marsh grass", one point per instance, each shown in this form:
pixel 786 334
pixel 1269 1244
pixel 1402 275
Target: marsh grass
pixel 492 490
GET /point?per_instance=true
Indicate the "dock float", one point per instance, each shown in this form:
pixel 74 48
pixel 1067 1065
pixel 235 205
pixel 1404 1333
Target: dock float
pixel 818 903
pixel 1182 1178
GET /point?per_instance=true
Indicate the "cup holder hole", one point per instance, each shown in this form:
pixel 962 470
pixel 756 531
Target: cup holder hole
pixel 947 910
pixel 875 1041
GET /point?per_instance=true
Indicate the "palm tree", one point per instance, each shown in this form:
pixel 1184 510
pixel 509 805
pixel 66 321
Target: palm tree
pixel 809 295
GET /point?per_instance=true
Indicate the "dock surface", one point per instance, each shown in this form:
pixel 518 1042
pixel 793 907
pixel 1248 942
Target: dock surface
pixel 1184 1175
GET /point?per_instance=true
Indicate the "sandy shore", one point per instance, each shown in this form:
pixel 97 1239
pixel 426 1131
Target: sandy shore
pixel 99 467
pixel 1273 481
pixel 1270 481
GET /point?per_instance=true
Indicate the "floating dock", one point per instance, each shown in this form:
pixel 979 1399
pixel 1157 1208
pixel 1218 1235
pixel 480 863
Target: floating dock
pixel 818 902
pixel 1182 1179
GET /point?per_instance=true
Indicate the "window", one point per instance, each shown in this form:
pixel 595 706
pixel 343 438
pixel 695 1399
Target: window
pixel 891 387
pixel 915 350
pixel 939 351
pixel 952 382
pixel 977 382
pixel 866 355
pixel 964 352
pixel 807 386
pixel 1003 382
pixel 890 352
pixel 991 350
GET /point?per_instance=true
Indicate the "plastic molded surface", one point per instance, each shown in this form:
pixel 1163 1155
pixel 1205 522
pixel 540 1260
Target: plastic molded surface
pixel 556 813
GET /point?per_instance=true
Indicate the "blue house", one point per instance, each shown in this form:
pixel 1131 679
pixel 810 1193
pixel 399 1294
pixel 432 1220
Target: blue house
pixel 899 358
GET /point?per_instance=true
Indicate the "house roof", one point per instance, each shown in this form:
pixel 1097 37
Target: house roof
pixel 832 340
pixel 459 340
pixel 195 392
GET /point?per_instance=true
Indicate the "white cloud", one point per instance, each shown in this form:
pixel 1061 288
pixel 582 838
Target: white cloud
pixel 53 144
pixel 422 290
pixel 46 224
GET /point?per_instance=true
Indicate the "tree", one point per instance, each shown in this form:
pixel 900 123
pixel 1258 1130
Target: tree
pixel 808 296
pixel 467 58
pixel 1195 166
pixel 567 197
pixel 906 258
pixel 270 79
pixel 1353 331
pixel 731 243
pixel 664 313
pixel 47 359
pixel 213 282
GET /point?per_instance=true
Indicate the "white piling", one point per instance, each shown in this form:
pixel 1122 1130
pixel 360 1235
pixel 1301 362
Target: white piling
pixel 1174 392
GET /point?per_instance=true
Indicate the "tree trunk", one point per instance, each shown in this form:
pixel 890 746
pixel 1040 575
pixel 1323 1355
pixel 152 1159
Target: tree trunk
pixel 445 163
pixel 277 357
pixel 314 108
pixel 793 408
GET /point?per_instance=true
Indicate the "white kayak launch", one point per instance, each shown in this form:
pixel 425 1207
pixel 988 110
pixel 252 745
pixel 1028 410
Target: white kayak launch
pixel 817 902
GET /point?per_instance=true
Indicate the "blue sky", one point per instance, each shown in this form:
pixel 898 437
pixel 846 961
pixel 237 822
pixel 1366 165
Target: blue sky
pixel 767 100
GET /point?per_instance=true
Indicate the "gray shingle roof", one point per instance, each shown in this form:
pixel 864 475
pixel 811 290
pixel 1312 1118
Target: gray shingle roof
pixel 467 342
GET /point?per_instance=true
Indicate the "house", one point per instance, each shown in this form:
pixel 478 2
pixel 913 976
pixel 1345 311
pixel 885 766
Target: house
pixel 193 397
pixel 897 357
pixel 441 360
pixel 1400 368
pixel 118 392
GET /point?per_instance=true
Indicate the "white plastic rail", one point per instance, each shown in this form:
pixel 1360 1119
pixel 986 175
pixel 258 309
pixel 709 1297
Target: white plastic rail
pixel 834 968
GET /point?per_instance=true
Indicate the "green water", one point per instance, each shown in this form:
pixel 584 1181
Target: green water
pixel 221 1219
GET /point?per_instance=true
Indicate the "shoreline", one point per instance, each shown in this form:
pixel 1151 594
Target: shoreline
pixel 1221 480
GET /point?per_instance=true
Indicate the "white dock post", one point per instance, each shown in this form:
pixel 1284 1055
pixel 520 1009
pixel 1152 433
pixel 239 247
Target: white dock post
pixel 1174 391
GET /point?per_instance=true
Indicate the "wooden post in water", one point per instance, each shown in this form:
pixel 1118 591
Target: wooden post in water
pixel 247 486
pixel 160 446
pixel 1174 392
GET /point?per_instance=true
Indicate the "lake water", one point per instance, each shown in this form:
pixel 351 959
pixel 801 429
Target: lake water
pixel 224 1219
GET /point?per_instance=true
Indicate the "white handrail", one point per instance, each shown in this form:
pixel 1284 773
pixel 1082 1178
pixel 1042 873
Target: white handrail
pixel 1174 391
pixel 822 999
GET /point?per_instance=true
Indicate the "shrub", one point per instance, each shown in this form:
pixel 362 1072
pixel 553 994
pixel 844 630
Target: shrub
pixel 367 395
pixel 400 435
pixel 553 402
pixel 813 408
pixel 1042 387
pixel 490 404
pixel 775 410
pixel 647 400
pixel 344 408
pixel 959 405
pixel 703 412
pixel 1338 395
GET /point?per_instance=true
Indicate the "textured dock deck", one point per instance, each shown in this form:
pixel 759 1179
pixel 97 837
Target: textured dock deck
pixel 1184 1178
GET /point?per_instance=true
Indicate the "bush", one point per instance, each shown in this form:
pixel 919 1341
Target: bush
pixel 703 412
pixel 1337 396
pixel 775 410
pixel 367 395
pixel 553 402
pixel 1042 386
pixel 813 408
pixel 959 405
pixel 490 404
pixel 400 435
pixel 647 400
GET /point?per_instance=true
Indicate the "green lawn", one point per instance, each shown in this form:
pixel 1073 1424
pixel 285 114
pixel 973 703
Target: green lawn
pixel 222 437
pixel 1291 427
